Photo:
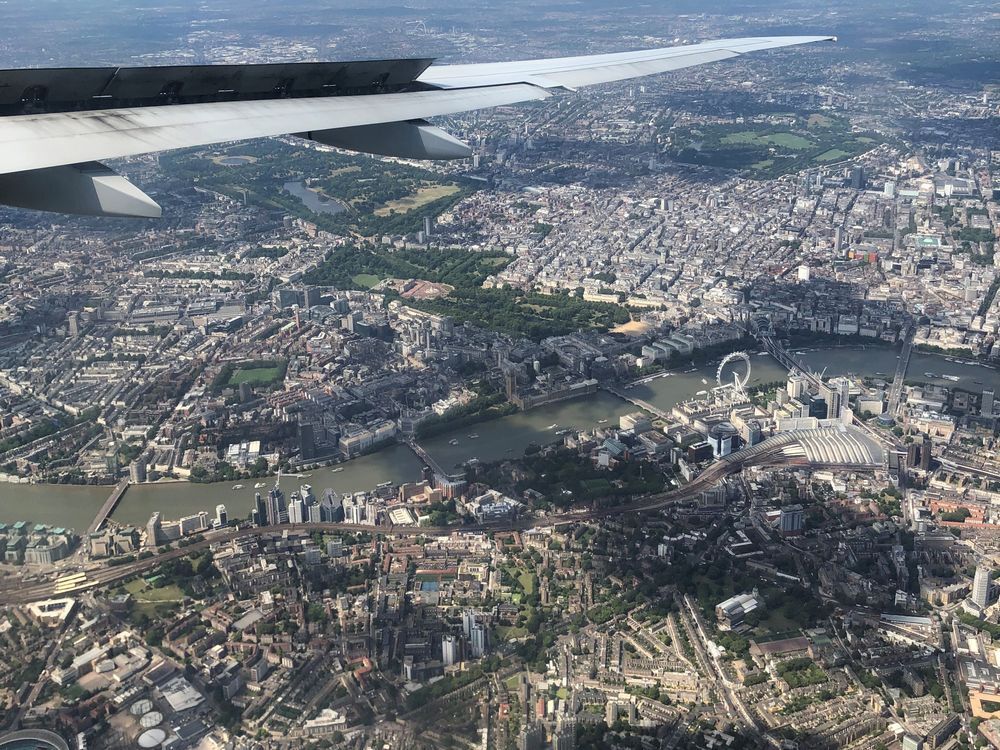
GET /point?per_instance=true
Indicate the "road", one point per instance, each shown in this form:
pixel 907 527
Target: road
pixel 729 691
pixel 51 653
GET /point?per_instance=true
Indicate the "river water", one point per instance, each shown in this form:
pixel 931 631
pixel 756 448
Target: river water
pixel 75 506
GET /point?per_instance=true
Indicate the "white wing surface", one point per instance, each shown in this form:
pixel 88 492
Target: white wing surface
pixel 56 124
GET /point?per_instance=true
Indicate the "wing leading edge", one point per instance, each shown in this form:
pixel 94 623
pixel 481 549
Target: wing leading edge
pixel 92 132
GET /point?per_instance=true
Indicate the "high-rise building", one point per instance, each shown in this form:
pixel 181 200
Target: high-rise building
pixel 838 239
pixel 531 737
pixel 981 586
pixel 833 393
pixel 154 530
pixel 277 512
pixel 986 405
pixel 259 513
pixel 478 640
pixel 221 517
pixel 313 296
pixel 925 453
pixel 565 736
pixel 428 225
pixel 450 646
pixel 858 177
pixel 297 509
pixel 137 470
pixel 791 520
pixel 73 319
pixel 796 385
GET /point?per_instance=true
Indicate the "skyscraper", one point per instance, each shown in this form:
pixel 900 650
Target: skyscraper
pixel 925 453
pixel 221 517
pixel 259 514
pixel 449 650
pixel 478 640
pixel 858 177
pixel 276 510
pixel 468 620
pixel 297 509
pixel 986 406
pixel 837 394
pixel 981 586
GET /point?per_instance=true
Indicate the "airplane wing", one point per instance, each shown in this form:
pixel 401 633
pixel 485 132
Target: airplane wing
pixel 57 125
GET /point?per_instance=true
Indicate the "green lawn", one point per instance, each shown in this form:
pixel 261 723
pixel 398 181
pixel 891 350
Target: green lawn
pixel 834 154
pixel 255 375
pixel 771 149
pixel 527 581
pixel 750 138
pixel 365 280
pixel 743 136
pixel 139 590
pixel 790 140
pixel 507 632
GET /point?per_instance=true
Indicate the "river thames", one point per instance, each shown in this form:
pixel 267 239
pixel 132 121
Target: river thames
pixel 75 506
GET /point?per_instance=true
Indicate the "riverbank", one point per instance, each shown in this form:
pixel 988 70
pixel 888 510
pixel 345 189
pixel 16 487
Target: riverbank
pixel 74 506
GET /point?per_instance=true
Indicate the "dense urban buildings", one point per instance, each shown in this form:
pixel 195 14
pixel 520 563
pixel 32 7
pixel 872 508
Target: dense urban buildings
pixel 666 420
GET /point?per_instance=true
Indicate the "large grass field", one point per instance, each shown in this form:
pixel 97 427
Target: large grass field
pixel 750 138
pixel 770 149
pixel 834 154
pixel 424 195
pixel 142 593
pixel 254 375
pixel 365 280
